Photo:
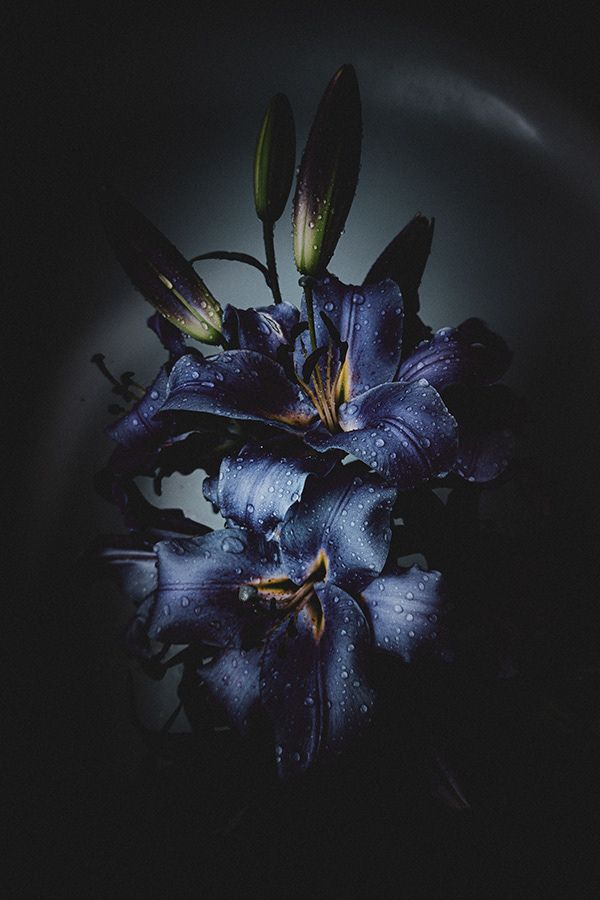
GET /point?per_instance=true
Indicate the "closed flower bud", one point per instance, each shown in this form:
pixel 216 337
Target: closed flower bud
pixel 159 271
pixel 274 160
pixel 328 174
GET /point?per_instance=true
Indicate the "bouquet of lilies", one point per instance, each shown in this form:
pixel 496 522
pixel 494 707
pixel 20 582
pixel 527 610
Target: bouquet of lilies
pixel 322 429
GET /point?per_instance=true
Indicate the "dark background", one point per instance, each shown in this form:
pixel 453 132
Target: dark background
pixel 164 104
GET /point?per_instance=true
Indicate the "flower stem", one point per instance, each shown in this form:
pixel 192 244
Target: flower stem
pixel 310 314
pixel 268 235
pixel 236 257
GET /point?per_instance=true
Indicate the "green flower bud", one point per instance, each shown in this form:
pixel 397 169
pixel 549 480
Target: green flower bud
pixel 274 160
pixel 328 174
pixel 159 271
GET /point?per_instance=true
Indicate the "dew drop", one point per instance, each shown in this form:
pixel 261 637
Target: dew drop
pixel 232 545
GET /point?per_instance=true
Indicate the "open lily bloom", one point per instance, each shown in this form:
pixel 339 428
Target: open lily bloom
pixel 353 394
pixel 281 609
pixel 344 396
pixel 292 621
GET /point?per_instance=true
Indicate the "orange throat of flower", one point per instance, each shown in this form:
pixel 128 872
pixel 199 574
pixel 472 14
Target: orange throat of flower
pixel 289 599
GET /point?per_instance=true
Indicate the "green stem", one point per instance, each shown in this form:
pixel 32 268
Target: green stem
pixel 310 315
pixel 236 257
pixel 268 235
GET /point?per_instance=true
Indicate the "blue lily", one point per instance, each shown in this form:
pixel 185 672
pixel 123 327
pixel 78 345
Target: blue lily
pixel 293 621
pixel 345 395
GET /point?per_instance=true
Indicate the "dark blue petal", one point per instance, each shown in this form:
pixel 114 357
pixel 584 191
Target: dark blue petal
pixel 403 431
pixel 406 612
pixel 197 598
pixel 240 384
pixel 314 690
pixel 130 564
pixel 137 642
pixel 265 329
pixel 369 319
pixel 233 680
pixel 256 487
pixel 469 354
pixel 141 426
pixel 347 518
pixel 488 417
pixel 484 456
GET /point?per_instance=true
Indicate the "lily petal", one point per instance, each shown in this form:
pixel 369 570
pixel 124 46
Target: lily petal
pixel 256 487
pixel 197 598
pixel 130 564
pixel 233 679
pixel 369 319
pixel 488 417
pixel 403 431
pixel 141 425
pixel 315 690
pixel 406 610
pixel 471 353
pixel 265 329
pixel 345 519
pixel 239 384
pixel 483 457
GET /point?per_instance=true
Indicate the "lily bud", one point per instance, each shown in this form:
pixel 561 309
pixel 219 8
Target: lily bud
pixel 274 160
pixel 159 271
pixel 328 174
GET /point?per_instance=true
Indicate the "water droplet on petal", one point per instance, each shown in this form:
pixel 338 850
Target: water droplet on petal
pixel 231 544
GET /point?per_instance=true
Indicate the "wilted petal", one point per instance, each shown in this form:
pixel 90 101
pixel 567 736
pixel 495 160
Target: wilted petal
pixel 197 598
pixel 314 690
pixel 257 487
pixel 369 319
pixel 406 611
pixel 239 384
pixel 265 329
pixel 403 431
pixel 483 457
pixel 141 425
pixel 488 417
pixel 347 518
pixel 469 354
pixel 233 679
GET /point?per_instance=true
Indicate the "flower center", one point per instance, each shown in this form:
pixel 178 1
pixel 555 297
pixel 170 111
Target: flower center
pixel 326 390
pixel 325 377
pixel 287 598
